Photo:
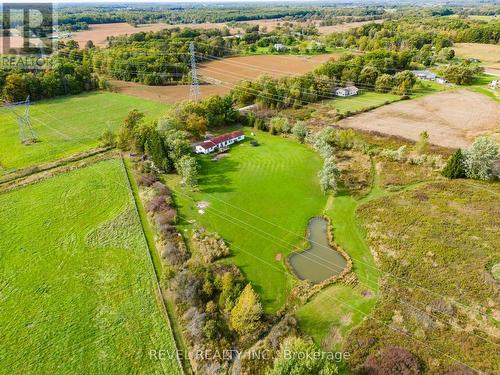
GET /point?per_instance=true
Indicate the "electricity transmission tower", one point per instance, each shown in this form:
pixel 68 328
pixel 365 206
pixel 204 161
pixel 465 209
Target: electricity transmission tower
pixel 194 92
pixel 26 132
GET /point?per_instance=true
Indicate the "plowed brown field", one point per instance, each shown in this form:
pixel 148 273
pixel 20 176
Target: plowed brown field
pixel 223 74
pixel 452 119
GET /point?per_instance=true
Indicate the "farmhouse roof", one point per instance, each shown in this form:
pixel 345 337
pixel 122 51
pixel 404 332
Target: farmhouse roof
pixel 219 139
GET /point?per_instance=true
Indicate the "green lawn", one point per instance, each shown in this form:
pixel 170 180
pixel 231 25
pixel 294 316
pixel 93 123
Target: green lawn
pixel 76 282
pixel 481 83
pixel 66 126
pixel 260 200
pixel 364 100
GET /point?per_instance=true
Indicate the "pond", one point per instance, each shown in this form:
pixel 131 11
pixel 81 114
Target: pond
pixel 320 261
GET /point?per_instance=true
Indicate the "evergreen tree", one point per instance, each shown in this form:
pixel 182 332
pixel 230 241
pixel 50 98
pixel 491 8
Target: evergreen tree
pixel 455 166
pixel 246 314
pixel 157 152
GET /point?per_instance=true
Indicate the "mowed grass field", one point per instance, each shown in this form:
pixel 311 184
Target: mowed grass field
pixel 260 200
pixel 365 100
pixel 77 289
pixel 66 126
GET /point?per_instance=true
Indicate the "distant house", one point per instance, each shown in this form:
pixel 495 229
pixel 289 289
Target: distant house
pixel 221 141
pixel 495 84
pixel 279 47
pixel 441 81
pixel 473 60
pixel 347 91
pixel 424 74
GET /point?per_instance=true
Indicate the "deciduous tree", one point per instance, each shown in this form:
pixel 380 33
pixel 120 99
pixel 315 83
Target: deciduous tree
pixel 479 158
pixel 246 314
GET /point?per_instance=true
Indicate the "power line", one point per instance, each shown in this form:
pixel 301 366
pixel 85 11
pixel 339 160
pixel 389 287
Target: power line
pixel 26 132
pixel 194 91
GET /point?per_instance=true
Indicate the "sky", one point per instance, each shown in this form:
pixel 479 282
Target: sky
pixel 170 1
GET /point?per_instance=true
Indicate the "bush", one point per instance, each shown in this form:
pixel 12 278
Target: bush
pixel 161 189
pixel 185 287
pixel 210 245
pixel 166 216
pixel 279 125
pixel 157 204
pixel 260 124
pixel 300 131
pixel 195 323
pixel 344 139
pixel 391 361
pixel 147 179
pixel 479 158
pixel 108 139
pixel 175 253
pixel 422 145
pixel 299 357
pixel 394 155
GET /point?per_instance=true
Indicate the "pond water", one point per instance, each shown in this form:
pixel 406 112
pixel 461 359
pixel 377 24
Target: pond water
pixel 320 261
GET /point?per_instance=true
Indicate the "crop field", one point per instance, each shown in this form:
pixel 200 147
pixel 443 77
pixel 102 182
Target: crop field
pixel 489 54
pixel 233 69
pixel 66 126
pixel 273 24
pixel 452 118
pixel 259 200
pixel 164 94
pixel 222 75
pixel 77 285
pixel 98 33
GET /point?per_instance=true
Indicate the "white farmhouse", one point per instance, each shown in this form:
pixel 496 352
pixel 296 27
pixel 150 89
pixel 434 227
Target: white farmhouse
pixel 347 91
pixel 424 74
pixel 495 84
pixel 278 47
pixel 224 140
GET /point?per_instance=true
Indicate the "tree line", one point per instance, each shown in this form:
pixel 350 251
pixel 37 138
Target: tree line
pixel 416 33
pixel 63 74
pixel 382 70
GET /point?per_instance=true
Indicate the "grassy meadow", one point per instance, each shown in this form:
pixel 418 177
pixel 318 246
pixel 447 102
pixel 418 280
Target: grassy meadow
pixel 77 285
pixel 66 126
pixel 440 290
pixel 259 200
